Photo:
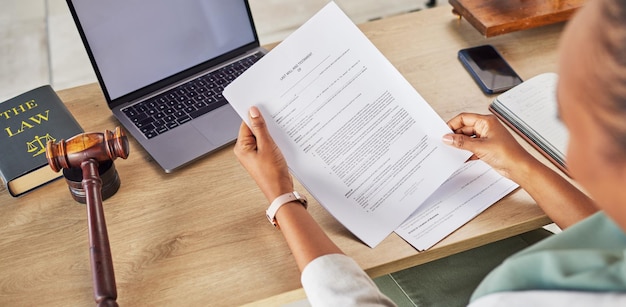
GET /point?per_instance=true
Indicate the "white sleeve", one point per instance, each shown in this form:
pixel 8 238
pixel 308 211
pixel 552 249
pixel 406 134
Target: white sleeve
pixel 540 298
pixel 337 280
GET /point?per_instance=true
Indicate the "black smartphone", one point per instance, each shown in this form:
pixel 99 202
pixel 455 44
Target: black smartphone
pixel 489 69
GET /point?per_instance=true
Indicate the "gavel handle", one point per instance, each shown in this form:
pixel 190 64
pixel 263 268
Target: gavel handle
pixel 104 289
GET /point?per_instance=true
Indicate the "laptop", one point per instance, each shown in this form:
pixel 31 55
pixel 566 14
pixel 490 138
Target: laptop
pixel 162 65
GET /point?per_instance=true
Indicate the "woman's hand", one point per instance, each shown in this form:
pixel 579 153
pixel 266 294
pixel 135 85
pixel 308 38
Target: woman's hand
pixel 260 156
pixel 490 141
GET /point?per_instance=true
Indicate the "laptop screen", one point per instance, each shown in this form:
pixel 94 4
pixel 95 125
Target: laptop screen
pixel 136 43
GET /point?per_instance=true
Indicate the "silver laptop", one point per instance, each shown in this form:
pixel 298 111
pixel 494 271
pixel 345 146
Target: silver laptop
pixel 162 65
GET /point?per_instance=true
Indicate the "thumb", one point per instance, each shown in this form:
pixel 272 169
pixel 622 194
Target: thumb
pixel 258 127
pixel 460 141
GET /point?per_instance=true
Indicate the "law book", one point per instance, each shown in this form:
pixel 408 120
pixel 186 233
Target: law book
pixel 28 121
pixel 353 130
pixel 530 109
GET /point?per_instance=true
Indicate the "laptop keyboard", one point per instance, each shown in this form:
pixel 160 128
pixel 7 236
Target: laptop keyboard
pixel 192 99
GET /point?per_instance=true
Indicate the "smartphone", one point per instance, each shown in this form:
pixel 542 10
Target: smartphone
pixel 489 69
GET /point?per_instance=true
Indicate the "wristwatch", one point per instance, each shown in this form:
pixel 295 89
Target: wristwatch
pixel 282 200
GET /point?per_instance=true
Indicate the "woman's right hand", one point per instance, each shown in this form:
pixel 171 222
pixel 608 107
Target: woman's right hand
pixel 491 142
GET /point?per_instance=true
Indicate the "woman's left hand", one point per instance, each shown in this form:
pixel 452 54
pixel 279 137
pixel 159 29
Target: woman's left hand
pixel 260 156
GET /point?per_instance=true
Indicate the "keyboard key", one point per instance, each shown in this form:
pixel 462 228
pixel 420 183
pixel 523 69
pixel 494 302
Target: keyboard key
pixel 139 117
pixel 179 114
pixel 183 119
pixel 130 112
pixel 200 112
pixel 150 134
pixel 147 128
pixel 143 122
pixel 161 129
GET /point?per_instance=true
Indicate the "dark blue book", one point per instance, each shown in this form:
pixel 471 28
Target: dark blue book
pixel 27 123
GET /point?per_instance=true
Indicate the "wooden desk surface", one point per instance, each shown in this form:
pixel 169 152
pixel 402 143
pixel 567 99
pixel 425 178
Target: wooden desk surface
pixel 199 236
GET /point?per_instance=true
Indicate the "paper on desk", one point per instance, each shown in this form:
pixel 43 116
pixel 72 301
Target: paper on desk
pixel 354 132
pixel 467 193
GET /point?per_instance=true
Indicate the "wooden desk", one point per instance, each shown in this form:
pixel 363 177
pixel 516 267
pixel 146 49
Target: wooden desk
pixel 199 236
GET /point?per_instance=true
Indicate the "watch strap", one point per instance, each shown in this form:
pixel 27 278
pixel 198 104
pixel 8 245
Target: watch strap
pixel 282 200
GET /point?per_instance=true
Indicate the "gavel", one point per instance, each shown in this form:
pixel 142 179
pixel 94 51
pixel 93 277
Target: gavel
pixel 87 151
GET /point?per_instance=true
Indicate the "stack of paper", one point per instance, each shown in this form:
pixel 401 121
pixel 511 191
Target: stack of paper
pixel 355 133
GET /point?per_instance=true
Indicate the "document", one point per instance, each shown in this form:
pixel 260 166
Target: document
pixel 353 131
pixel 467 193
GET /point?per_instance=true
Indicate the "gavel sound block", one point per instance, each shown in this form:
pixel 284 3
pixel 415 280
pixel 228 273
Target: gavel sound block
pixel 91 154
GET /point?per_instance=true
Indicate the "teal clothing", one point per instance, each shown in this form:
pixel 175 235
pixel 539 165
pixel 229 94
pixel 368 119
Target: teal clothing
pixel 588 256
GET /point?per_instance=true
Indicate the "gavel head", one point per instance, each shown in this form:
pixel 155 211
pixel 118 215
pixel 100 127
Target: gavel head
pixel 100 147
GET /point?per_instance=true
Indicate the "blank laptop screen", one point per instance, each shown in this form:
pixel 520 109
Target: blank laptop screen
pixel 138 42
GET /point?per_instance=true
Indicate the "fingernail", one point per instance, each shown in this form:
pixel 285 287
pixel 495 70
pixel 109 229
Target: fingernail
pixel 254 112
pixel 447 139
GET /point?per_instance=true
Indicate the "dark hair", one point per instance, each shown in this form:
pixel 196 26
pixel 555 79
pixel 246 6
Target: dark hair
pixel 612 39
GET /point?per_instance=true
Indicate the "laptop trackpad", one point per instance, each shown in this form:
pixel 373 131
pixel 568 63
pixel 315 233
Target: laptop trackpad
pixel 219 126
